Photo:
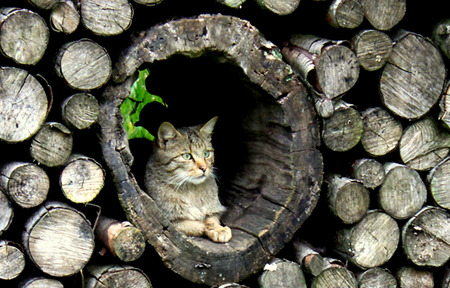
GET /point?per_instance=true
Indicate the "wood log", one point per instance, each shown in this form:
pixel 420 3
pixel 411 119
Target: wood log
pixel 439 183
pixel 283 274
pixel 23 103
pixel 444 107
pixel 285 139
pixel 372 48
pixel 83 64
pixel 309 259
pixel 44 4
pixel 52 145
pixel 413 78
pixel 55 253
pixel 116 276
pixel 232 3
pixel 148 2
pixel 345 14
pixel 25 183
pixel 122 240
pixel 377 278
pixel 409 277
pixel 403 192
pixel 106 18
pixel 335 277
pixel 384 14
pixel 232 285
pixel 81 179
pixel 24 35
pixel 441 36
pixel 369 172
pixel 65 17
pixel 6 212
pixel 280 7
pixel 424 144
pixel 426 237
pixel 12 260
pixel 80 111
pixel 41 282
pixel 382 132
pixel 371 242
pixel 348 199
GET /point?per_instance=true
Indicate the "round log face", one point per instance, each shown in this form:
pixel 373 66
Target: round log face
pixel 278 177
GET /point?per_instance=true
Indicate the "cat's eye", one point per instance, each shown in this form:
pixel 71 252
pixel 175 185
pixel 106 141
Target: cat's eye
pixel 206 154
pixel 186 156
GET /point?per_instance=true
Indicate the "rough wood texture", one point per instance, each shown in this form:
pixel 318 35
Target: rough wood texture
pixel 377 278
pixel 6 212
pixel 40 282
pixel 80 111
pixel 65 17
pixel 372 48
pixel 285 140
pixel 115 276
pixel 409 277
pixel 335 277
pixel 12 260
pixel 22 91
pixel 283 274
pixel 24 35
pixel 444 107
pixel 441 36
pixel 384 14
pixel 345 14
pixel 280 7
pixel 439 183
pixel 369 172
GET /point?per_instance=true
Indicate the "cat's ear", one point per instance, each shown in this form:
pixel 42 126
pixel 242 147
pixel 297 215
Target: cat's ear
pixel 166 132
pixel 209 126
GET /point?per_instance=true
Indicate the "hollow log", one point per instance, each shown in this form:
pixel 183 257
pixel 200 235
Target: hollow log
pixel 283 274
pixel 80 111
pixel 116 276
pixel 65 17
pixel 377 278
pixel 279 134
pixel 12 260
pixel 369 172
pixel 345 14
pixel 6 212
pixel 372 48
pixel 439 183
pixel 409 277
pixel 384 14
pixel 41 282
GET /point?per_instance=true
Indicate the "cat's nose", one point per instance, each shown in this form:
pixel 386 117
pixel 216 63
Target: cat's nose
pixel 202 167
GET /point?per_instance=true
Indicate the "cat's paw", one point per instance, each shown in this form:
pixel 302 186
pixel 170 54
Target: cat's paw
pixel 220 234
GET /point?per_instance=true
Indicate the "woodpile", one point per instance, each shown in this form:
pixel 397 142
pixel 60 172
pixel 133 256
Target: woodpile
pixel 351 92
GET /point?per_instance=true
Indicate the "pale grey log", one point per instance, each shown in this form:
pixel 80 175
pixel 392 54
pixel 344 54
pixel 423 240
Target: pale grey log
pixel 41 282
pixel 23 103
pixel 403 192
pixel 12 260
pixel 384 14
pixel 6 212
pixel 335 277
pixel 116 276
pixel 369 172
pixel 80 111
pixel 231 3
pixel 439 183
pixel 65 17
pixel 283 274
pixel 345 14
pixel 280 7
pixel 441 36
pixel 309 259
pixel 444 107
pixel 410 277
pixel 372 48
pixel 377 278
pixel 426 237
pixel 44 4
pixel 24 35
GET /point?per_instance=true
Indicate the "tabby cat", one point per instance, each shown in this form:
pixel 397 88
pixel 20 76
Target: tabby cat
pixel 180 178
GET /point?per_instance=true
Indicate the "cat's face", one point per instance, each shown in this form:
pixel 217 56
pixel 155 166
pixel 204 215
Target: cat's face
pixel 186 153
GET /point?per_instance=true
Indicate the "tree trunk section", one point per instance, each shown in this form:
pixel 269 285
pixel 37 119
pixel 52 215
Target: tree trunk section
pixel 12 260
pixel 439 183
pixel 377 278
pixel 80 111
pixel 409 277
pixel 40 282
pixel 282 274
pixel 6 212
pixel 369 172
pixel 280 7
pixel 384 14
pixel 115 276
pixel 372 48
pixel 347 14
pixel 65 17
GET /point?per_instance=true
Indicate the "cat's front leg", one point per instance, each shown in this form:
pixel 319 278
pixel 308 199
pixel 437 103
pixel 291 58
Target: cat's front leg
pixel 215 231
pixel 191 227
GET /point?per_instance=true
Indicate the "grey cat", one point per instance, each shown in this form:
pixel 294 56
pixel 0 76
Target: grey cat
pixel 180 178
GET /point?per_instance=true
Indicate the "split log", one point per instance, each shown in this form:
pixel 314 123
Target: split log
pixel 24 35
pixel 6 212
pixel 65 17
pixel 25 183
pixel 377 278
pixel 345 14
pixel 413 78
pixel 382 132
pixel 122 240
pixel 83 64
pixel 52 145
pixel 384 14
pixel 12 260
pixel 115 276
pixel 232 3
pixel 335 277
pixel 409 277
pixel 444 107
pixel 310 260
pixel 106 18
pixel 371 242
pixel 441 36
pixel 44 4
pixel 372 48
pixel 283 274
pixel 426 237
pixel 55 253
pixel 81 179
pixel 41 282
pixel 23 103
pixel 439 183
pixel 347 198
pixel 80 111
pixel 369 172
pixel 280 134
pixel 280 7
pixel 424 144
pixel 403 192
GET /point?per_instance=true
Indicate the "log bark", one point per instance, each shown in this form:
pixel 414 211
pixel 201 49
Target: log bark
pixel 80 111
pixel 55 253
pixel 403 192
pixel 335 277
pixel 413 78
pixel 384 14
pixel 41 282
pixel 25 183
pixel 426 237
pixel 116 276
pixel 439 183
pixel 23 103
pixel 280 7
pixel 369 172
pixel 24 35
pixel 106 18
pixel 409 277
pixel 372 48
pixel 12 260
pixel 65 17
pixel 377 278
pixel 345 14
pixel 52 145
pixel 83 64
pixel 309 259
pixel 283 274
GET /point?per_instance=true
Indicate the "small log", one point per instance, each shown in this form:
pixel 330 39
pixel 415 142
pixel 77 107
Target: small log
pixel 377 278
pixel 148 2
pixel 403 192
pixel 23 103
pixel 424 144
pixel 441 36
pixel 409 277
pixel 65 17
pixel 426 237
pixel 106 18
pixel 310 260
pixel 41 282
pixel 83 64
pixel 345 14
pixel 12 260
pixel 25 183
pixel 348 199
pixel 58 239
pixel 80 111
pixel 52 145
pixel 6 212
pixel 371 242
pixel 413 78
pixel 382 131
pixel 439 183
pixel 115 276
pixel 24 35
pixel 123 240
pixel 369 172
pixel 232 3
pixel 44 4
pixel 335 277
pixel 384 14
pixel 280 7
pixel 283 274
pixel 444 107
pixel 372 48
pixel 344 129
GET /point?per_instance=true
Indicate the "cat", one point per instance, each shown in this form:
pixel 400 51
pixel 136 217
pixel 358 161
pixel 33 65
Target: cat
pixel 180 178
